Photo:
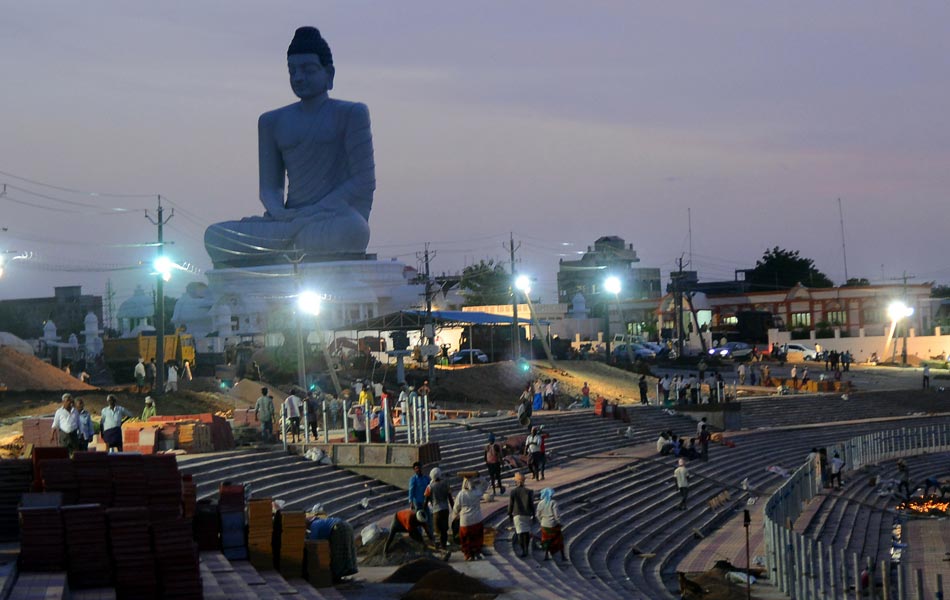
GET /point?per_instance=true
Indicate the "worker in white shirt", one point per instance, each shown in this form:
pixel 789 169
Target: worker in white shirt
pixel 65 429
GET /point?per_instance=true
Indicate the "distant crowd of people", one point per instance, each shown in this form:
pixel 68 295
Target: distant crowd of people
pixel 73 427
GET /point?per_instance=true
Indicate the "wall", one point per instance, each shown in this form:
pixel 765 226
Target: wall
pixel 862 346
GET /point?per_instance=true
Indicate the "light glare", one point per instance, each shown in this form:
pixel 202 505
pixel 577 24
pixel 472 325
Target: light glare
pixel 309 302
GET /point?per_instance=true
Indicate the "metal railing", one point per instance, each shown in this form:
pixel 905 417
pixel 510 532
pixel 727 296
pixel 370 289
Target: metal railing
pixel 805 569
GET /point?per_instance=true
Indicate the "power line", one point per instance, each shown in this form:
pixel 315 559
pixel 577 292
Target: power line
pixel 74 190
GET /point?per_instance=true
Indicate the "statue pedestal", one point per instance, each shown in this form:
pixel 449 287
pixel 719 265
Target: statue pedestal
pixel 260 302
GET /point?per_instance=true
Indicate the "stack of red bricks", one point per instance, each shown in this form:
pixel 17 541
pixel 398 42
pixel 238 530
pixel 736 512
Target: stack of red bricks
pixel 132 558
pixel 221 436
pixel 260 533
pixel 128 480
pixel 177 559
pixel 165 494
pixel 94 473
pixel 293 534
pixel 189 496
pixel 36 431
pixel 59 475
pixel 231 513
pixel 87 546
pixel 16 476
pixel 41 539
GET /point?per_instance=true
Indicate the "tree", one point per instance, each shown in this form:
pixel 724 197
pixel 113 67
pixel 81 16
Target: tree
pixel 485 283
pixel 781 269
pixel 857 282
pixel 940 291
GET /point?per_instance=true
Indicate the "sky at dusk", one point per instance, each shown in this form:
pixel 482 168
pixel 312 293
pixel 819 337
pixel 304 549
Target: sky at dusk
pixel 558 121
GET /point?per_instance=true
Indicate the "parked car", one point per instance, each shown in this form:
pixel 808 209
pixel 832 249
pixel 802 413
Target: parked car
pixel 808 352
pixel 467 356
pixel 733 350
pixel 639 351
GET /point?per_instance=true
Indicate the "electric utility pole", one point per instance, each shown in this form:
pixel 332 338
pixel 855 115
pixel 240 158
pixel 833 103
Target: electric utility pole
pixel 903 278
pixel 677 278
pixel 160 301
pixel 429 327
pixel 516 327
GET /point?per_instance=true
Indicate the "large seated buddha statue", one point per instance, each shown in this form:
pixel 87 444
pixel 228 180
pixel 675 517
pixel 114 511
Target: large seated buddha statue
pixel 323 148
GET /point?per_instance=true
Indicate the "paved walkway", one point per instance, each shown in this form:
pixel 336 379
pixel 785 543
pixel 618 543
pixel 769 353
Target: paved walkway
pixel 928 548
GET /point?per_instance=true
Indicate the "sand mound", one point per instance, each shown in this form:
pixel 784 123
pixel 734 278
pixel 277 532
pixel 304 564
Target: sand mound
pixel 404 550
pixel 23 373
pixel 415 570
pixel 449 584
pixel 247 391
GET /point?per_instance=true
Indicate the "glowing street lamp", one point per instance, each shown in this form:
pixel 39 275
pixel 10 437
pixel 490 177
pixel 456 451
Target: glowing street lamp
pixel 898 311
pixel 309 302
pixel 612 285
pixel 523 283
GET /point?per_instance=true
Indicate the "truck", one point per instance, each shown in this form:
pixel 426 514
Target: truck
pixel 121 354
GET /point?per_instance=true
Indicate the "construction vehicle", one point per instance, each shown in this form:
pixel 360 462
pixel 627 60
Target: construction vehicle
pixel 121 354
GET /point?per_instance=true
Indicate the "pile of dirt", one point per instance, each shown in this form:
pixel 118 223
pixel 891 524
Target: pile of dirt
pixel 404 550
pixel 414 571
pixel 449 584
pixel 246 392
pixel 499 385
pixel 23 373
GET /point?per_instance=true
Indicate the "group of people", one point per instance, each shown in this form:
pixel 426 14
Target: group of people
pixel 692 389
pixel 434 511
pixel 146 373
pixel 366 413
pixel 74 429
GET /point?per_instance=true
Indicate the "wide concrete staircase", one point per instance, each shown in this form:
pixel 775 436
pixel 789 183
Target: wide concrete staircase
pixel 302 483
pixel 624 533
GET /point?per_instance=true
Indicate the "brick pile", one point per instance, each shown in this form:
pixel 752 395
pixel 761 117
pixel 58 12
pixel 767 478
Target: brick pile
pixel 317 563
pixel 231 514
pixel 15 478
pixel 202 432
pixel 260 533
pixel 36 432
pixel 176 556
pixel 293 534
pixel 41 539
pixel 132 557
pixel 87 546
pixel 133 533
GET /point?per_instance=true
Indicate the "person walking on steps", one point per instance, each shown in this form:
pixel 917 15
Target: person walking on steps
pixel 493 458
pixel 681 474
pixel 521 513
pixel 552 539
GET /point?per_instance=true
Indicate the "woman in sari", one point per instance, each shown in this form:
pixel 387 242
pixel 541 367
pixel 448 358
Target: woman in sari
pixel 468 509
pixel 551 538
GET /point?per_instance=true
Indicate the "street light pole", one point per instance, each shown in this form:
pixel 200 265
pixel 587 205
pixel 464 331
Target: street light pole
pixel 160 300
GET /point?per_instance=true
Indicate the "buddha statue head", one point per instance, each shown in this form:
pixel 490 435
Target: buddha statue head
pixel 309 63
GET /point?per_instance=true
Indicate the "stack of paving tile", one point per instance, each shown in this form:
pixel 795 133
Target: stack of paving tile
pixel 164 487
pixel 41 539
pixel 129 486
pixel 40 455
pixel 192 437
pixel 231 511
pixel 60 476
pixel 177 556
pixel 87 546
pixel 317 565
pixel 293 534
pixel 15 477
pixel 95 477
pixel 260 533
pixel 132 558
pixel 207 526
pixel 189 496
pixel 36 432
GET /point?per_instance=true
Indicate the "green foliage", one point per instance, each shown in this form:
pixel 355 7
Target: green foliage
pixel 486 283
pixel 940 291
pixel 781 269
